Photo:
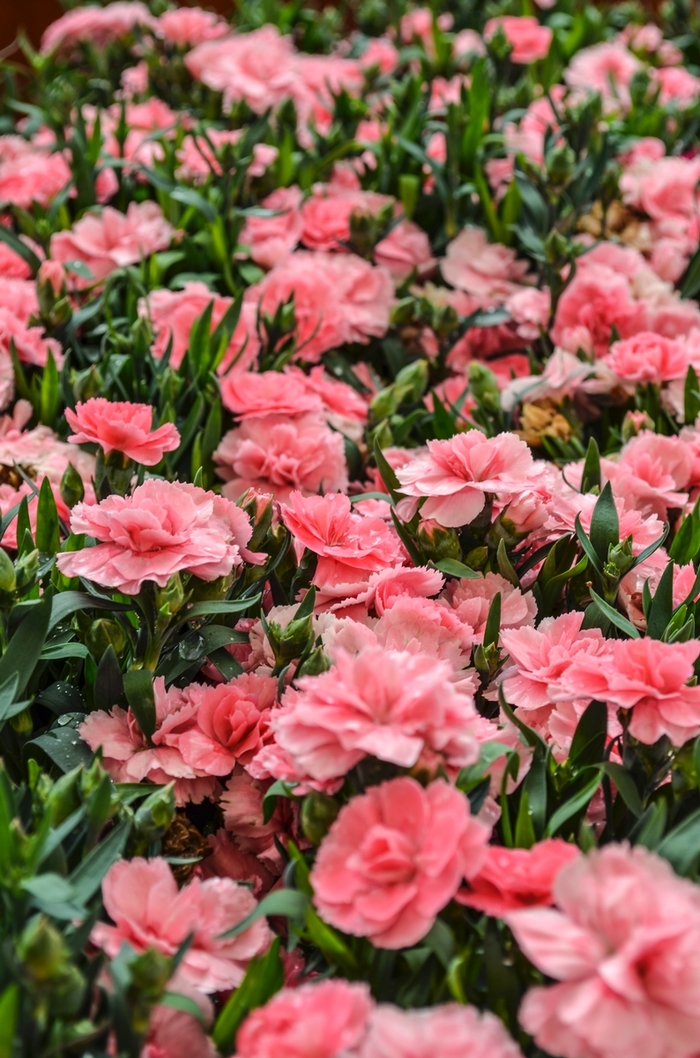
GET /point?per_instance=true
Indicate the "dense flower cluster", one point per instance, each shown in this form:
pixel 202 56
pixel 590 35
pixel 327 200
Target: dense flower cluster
pixel 350 523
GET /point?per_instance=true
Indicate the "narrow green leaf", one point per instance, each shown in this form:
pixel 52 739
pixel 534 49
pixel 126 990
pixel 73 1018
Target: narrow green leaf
pixel 24 649
pixel 138 688
pixel 590 478
pixel 614 616
pixel 9 1012
pixel 625 786
pixel 288 902
pixel 48 539
pixel 525 836
pixel 605 524
pixel 264 977
pixel 87 876
pixel 453 568
pixel 681 847
pixel 574 805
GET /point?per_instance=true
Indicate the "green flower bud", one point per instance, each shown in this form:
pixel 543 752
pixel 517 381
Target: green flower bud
pixel 156 813
pixel 316 663
pixel 102 634
pixel 87 383
pixel 412 380
pixel 8 577
pixel 171 598
pixel 438 542
pixel 63 797
pixel 290 642
pixel 318 812
pixel 41 950
pixel 560 164
pixel 67 991
pixel 72 487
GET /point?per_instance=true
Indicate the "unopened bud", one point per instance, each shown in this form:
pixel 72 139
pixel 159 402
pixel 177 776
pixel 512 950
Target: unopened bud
pixel 41 950
pixel 51 285
pixel 318 812
pixel 634 422
pixel 316 663
pixel 560 164
pixel 63 798
pixel 72 487
pixel 437 542
pixel 171 598
pixel 155 815
pixel 259 508
pixel 8 577
pixel 104 633
pixel 87 383
pixel 412 380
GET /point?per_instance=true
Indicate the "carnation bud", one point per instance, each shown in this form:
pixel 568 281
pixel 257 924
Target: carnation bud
pixel 444 320
pixel 412 380
pixel 87 383
pixel 63 798
pixel 171 598
pixel 156 814
pixel 22 722
pixel 41 950
pixel 150 973
pixel 560 164
pixel 620 559
pixel 365 230
pixel 402 312
pixel 259 508
pixel 8 577
pixel 318 813
pixel 316 663
pixel 102 634
pixel 409 186
pixel 383 404
pixel 72 487
pixel 437 542
pixel 556 247
pixel 292 641
pixel 634 422
pixel 483 385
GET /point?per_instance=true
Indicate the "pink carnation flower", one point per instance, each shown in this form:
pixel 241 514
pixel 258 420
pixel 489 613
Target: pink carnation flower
pixel 30 342
pixel 162 528
pixel 651 473
pixel 258 68
pixel 476 266
pixel 445 1031
pixel 350 546
pixel 122 427
pixel 607 68
pixel 514 878
pixel 384 703
pixel 624 945
pixel 142 899
pixel 326 214
pixel 394 858
pixel 31 174
pixel 177 1034
pixel 472 599
pixel 323 1020
pixel 98 25
pixel 271 238
pixel 456 475
pixel 528 39
pixel 338 298
pixel 109 240
pixel 173 314
pixel 198 161
pixel 280 454
pixel 187 26
pixel 647 677
pixel 648 357
pixel 404 250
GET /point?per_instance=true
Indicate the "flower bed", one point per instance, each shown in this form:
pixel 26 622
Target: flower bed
pixel 350 521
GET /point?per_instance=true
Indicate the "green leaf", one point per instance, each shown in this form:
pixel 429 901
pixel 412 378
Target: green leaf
pixel 264 977
pixel 575 804
pixel 453 568
pixel 108 689
pixel 651 826
pixel 279 788
pixel 62 744
pixel 387 473
pixel 605 524
pixel 24 649
pixel 625 786
pixel 8 698
pixel 288 902
pixel 681 847
pixel 492 628
pixel 505 566
pixel 691 397
pixel 69 602
pixel 525 836
pixel 441 942
pixel 590 736
pixel 661 608
pixel 9 1007
pixel 331 944
pixel 49 393
pixel 138 688
pixel 177 1001
pixel 590 478
pixel 204 609
pixel 47 535
pixel 614 616
pixel 87 876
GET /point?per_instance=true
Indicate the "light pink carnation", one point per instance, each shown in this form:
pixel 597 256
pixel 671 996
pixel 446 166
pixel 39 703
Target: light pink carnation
pixel 624 945
pixel 384 703
pixel 271 238
pixel 404 250
pixel 456 475
pixel 142 899
pixel 596 300
pixel 187 26
pixel 529 40
pixel 475 265
pixel 110 239
pixel 280 454
pixel 649 678
pixel 173 313
pixel 30 342
pixel 98 25
pixel 177 1034
pixel 447 1031
pixel 31 174
pixel 394 858
pixel 515 878
pixel 258 68
pixel 122 427
pixel 327 1019
pixel 472 598
pixel 338 298
pixel 607 68
pixel 651 473
pixel 326 214
pixel 677 85
pixel 648 357
pixel 198 160
pixel 162 528
pixel 12 265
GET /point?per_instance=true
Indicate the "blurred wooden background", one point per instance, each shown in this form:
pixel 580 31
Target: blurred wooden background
pixel 35 15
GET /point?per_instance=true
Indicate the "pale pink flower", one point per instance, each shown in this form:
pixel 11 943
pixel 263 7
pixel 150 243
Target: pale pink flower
pixel 651 473
pixel 96 25
pixel 472 599
pixel 19 297
pixel 242 807
pixel 12 265
pixel 282 453
pixel 198 160
pixel 648 357
pixel 187 26
pixel 476 266
pixel 258 68
pixel 122 427
pixel 647 677
pixel 394 858
pixel 677 85
pixel 231 723
pixel 162 528
pixel 142 899
pixel 379 53
pixel 32 176
pixel 338 298
pixel 30 342
pixel 515 878
pixel 427 626
pixel 327 1019
pixel 178 1034
pixel 406 249
pixel 528 39
pixel 468 43
pixel 253 395
pixel 109 240
pixel 271 238
pixel 450 1030
pixel 384 703
pixel 350 546
pixel 173 314
pixel 597 299
pixel 326 214
pixel 456 475
pixel 607 68
pixel 624 946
